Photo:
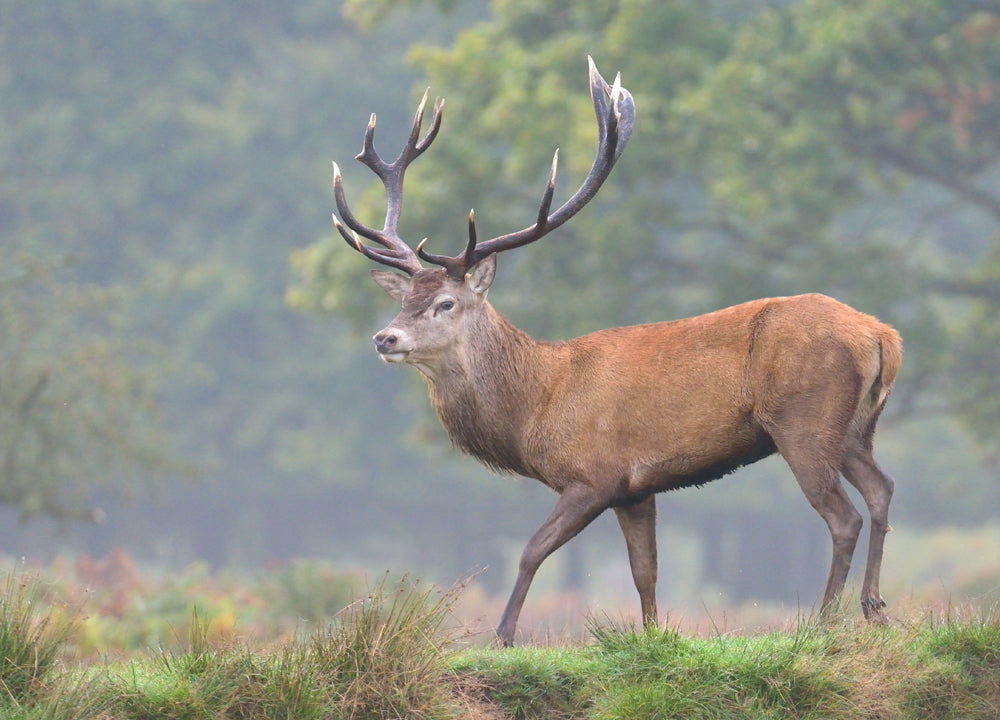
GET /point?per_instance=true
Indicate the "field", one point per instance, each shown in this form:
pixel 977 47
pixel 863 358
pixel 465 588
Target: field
pixel 397 651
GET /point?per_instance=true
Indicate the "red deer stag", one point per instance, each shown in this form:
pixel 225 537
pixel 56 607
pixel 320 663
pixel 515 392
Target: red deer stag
pixel 611 418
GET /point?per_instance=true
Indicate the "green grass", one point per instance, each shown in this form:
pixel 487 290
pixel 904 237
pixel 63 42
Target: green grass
pixel 395 653
pixel 837 668
pixel 29 642
pixel 528 683
pixel 384 657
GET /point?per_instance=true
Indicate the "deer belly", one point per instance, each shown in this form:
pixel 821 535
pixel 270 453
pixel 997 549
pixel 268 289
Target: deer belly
pixel 699 465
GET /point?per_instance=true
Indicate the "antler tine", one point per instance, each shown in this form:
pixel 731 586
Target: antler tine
pixel 345 210
pixel 455 266
pixel 615 121
pixel 415 147
pixel 397 253
pixel 550 188
pixel 368 155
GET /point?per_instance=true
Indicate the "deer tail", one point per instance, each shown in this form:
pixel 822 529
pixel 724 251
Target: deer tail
pixel 891 350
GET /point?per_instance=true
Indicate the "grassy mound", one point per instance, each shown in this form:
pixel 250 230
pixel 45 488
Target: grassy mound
pixel 394 653
pixel 934 668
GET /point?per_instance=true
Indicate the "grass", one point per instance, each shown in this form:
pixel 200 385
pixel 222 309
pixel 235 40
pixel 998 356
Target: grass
pixel 29 642
pixel 384 657
pixel 934 667
pixel 395 653
pixel 548 683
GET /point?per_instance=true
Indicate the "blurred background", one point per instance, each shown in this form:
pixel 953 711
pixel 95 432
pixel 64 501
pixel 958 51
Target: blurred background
pixel 186 374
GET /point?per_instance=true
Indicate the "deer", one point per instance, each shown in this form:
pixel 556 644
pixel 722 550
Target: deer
pixel 612 418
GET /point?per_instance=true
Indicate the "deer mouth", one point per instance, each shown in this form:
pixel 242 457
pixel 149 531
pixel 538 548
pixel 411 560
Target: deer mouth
pixel 394 357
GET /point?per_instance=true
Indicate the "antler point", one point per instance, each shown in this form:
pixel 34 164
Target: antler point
pixel 616 93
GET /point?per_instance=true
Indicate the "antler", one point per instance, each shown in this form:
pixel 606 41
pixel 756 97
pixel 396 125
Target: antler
pixel 615 121
pixel 394 252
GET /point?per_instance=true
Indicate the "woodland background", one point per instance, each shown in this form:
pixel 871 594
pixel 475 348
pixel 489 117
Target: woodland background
pixel 186 373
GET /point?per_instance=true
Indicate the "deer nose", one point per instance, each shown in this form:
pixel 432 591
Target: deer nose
pixel 385 342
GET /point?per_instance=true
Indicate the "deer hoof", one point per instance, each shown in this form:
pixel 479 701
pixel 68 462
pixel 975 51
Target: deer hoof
pixel 873 610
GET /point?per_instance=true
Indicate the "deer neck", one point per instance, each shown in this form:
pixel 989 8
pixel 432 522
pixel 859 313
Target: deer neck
pixel 489 390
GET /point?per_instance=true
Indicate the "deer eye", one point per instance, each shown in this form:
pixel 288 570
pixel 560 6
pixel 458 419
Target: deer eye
pixel 446 305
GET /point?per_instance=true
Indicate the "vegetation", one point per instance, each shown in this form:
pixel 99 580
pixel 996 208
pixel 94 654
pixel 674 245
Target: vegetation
pixel 29 642
pixel 396 651
pixel 79 410
pixel 162 161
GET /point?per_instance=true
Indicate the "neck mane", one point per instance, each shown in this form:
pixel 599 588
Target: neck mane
pixel 487 396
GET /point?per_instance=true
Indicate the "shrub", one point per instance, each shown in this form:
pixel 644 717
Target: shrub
pixel 30 643
pixel 310 590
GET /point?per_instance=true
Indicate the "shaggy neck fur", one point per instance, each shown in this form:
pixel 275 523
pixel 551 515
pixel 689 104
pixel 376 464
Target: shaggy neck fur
pixel 485 398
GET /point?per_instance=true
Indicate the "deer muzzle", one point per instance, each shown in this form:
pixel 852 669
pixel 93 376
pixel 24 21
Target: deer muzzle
pixel 388 346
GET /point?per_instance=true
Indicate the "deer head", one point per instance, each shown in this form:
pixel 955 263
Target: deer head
pixel 437 317
pixel 438 302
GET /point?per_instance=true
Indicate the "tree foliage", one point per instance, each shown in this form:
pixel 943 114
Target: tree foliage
pixel 156 144
pixel 846 147
pixel 174 153
pixel 78 411
pixel 871 127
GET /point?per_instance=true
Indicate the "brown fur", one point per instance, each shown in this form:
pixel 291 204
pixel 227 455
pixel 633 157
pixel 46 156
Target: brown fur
pixel 611 418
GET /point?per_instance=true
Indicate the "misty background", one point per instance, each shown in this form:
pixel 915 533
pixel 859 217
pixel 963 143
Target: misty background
pixel 186 371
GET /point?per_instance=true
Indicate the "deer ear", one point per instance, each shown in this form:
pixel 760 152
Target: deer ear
pixel 481 275
pixel 398 286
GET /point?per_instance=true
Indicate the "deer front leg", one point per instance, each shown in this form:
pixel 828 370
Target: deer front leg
pixel 638 524
pixel 576 508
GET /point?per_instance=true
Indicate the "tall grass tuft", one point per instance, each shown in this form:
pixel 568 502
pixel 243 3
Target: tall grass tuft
pixel 386 654
pixel 30 641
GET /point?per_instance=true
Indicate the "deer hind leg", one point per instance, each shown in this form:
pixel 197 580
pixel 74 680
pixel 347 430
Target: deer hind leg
pixel 861 470
pixel 638 524
pixel 825 493
pixel 819 479
pixel 576 508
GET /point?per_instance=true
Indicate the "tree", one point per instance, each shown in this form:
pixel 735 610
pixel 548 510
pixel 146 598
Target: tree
pixel 175 153
pixel 78 409
pixel 844 147
pixel 873 129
